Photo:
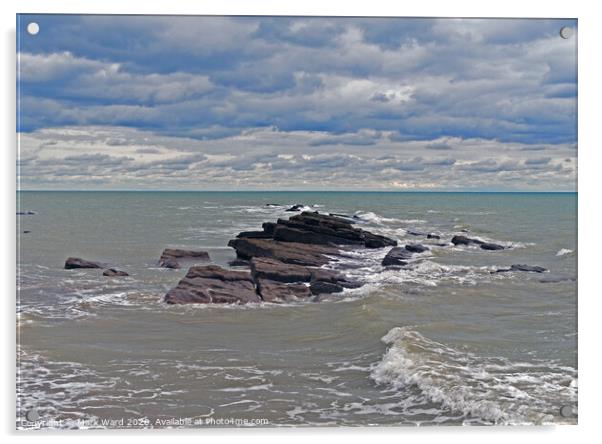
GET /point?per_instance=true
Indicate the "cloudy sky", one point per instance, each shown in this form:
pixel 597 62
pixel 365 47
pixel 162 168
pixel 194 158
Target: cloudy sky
pixel 220 103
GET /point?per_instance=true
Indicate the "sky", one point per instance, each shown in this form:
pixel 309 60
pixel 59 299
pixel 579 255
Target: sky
pixel 296 103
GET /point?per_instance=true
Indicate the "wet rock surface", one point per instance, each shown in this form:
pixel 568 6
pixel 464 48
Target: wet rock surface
pixel 114 272
pixel 169 257
pixel 213 284
pixel 463 240
pixel 416 248
pixel 76 262
pixel 397 256
pixel 285 262
pixel 292 259
pixel 491 246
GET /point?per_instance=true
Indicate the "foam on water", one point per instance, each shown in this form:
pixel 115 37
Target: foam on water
pixel 491 390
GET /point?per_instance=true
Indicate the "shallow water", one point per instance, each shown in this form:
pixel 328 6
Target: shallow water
pixel 444 341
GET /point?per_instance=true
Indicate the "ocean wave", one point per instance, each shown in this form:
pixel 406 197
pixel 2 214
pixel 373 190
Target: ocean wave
pixel 564 252
pixel 488 390
pixel 374 218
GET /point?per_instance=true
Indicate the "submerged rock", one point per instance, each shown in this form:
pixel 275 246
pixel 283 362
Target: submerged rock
pixel 415 233
pixel 491 246
pixel 522 267
pixel 25 213
pixel 397 256
pixel 76 262
pixel 297 207
pixel 433 236
pixel 114 272
pixel 213 284
pixel 169 262
pixel 531 268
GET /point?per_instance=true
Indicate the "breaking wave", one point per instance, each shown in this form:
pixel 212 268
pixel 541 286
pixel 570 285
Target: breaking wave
pixel 482 390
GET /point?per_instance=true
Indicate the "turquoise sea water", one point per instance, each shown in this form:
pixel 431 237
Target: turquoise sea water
pixel 444 341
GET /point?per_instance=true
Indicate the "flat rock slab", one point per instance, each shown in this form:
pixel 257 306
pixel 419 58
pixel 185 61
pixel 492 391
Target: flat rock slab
pixel 76 262
pixel 213 284
pixel 274 270
pixel 287 252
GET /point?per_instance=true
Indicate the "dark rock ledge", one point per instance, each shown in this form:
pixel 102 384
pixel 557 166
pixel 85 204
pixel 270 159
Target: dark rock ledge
pixel 76 262
pixel 463 240
pixel 286 262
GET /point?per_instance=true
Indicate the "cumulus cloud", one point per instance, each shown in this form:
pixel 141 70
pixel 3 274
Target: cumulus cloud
pixel 270 100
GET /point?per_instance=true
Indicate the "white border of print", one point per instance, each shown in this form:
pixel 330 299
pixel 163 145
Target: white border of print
pixel 589 203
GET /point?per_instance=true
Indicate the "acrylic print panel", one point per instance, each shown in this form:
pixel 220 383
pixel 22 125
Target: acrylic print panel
pixel 308 221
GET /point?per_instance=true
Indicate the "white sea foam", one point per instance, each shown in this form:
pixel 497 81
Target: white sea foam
pixel 493 390
pixel 564 252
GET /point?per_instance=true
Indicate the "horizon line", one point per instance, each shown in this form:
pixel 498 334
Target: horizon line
pixel 298 191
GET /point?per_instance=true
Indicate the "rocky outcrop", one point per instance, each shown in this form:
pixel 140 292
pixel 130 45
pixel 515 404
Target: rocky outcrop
pixel 491 246
pixel 287 252
pixel 285 261
pixel 315 228
pixel 114 272
pixel 76 262
pixel 270 279
pixel 169 257
pixel 397 256
pixel 463 240
pixel 213 284
pixel 433 236
pixel 416 248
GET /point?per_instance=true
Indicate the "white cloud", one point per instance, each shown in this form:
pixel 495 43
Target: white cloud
pixel 261 158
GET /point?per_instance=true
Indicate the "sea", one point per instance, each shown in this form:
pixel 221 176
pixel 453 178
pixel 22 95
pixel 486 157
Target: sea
pixel 445 340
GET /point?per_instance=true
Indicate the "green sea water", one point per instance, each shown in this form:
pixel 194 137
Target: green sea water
pixel 443 341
